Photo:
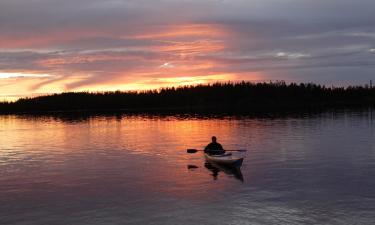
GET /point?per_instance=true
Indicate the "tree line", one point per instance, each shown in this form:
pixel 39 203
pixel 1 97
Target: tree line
pixel 242 96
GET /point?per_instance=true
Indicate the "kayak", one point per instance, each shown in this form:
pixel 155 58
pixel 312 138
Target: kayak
pixel 224 160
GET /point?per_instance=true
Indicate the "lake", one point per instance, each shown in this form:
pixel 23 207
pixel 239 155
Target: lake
pixel 133 169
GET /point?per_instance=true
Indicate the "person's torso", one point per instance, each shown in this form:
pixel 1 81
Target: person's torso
pixel 214 146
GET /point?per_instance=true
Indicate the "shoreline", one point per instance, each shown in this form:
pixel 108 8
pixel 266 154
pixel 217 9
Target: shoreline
pixel 243 97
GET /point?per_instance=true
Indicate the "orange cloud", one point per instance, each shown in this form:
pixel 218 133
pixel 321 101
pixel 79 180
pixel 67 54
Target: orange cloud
pixel 183 31
pixel 173 56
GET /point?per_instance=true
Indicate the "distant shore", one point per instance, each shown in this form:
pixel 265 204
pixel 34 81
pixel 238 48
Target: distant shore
pixel 243 97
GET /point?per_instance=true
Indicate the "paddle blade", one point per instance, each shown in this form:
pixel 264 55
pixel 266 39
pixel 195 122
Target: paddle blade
pixel 191 150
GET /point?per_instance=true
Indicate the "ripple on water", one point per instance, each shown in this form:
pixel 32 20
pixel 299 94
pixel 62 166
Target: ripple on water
pixel 314 169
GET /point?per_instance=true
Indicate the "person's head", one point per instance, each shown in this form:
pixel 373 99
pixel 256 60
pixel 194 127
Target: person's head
pixel 213 139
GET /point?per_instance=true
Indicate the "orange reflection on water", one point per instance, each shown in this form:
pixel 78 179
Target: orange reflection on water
pixel 149 150
pixel 168 139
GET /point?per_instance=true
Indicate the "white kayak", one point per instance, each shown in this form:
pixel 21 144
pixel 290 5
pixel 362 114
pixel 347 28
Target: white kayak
pixel 225 159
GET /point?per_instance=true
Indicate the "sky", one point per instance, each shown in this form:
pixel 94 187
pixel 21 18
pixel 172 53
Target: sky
pixel 49 46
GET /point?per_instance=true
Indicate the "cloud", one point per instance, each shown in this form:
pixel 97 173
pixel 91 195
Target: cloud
pixel 21 75
pixel 167 65
pixel 290 55
pixel 106 44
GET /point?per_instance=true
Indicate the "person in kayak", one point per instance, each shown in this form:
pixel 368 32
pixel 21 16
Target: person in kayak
pixel 214 148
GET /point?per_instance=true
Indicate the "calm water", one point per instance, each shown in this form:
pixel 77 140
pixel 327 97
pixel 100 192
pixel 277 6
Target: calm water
pixel 317 169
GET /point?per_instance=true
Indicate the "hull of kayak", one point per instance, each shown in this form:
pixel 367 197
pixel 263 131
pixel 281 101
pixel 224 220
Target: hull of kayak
pixel 224 160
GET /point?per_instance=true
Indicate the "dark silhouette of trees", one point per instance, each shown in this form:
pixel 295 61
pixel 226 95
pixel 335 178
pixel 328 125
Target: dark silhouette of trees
pixel 242 96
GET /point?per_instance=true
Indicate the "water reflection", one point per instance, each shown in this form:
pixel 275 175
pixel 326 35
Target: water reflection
pixel 231 171
pixel 215 170
pixel 118 168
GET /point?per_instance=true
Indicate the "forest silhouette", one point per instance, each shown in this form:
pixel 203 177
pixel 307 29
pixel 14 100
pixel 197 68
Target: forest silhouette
pixel 217 97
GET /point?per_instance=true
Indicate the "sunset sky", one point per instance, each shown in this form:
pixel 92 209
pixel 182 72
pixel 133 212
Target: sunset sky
pixel 74 45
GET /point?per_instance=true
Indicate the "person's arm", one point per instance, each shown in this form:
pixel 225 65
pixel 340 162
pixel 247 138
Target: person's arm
pixel 207 148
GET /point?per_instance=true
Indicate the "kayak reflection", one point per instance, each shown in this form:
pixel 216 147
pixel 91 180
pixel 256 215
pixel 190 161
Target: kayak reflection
pixel 192 167
pixel 229 170
pixel 217 169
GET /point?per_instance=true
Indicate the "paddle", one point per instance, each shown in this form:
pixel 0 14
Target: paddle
pixel 196 150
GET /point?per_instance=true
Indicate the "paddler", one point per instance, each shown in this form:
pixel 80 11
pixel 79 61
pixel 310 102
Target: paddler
pixel 214 148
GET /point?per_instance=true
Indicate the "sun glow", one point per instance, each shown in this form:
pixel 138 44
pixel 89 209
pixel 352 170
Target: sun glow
pixel 157 83
pixel 182 81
